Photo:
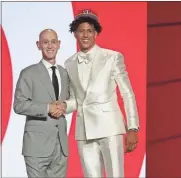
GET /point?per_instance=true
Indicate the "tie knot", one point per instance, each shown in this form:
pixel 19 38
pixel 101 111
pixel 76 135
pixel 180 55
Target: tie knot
pixel 53 68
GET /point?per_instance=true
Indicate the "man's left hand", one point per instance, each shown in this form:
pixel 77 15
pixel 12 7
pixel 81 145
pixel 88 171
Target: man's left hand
pixel 131 140
pixel 60 109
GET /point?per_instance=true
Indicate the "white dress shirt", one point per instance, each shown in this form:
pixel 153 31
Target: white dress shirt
pixel 85 61
pixel 48 67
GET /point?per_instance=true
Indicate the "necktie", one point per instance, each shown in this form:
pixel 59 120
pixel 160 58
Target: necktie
pixel 55 82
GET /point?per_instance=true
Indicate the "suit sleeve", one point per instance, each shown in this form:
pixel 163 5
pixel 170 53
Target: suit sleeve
pixel 120 75
pixel 71 102
pixel 23 102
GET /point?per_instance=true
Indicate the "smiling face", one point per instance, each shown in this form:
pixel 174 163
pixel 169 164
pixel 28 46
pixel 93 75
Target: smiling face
pixel 49 44
pixel 86 36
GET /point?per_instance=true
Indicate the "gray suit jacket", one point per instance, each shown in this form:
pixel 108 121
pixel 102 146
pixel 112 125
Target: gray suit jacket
pixel 33 92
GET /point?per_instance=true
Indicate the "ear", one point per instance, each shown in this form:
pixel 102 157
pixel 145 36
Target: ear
pixel 38 45
pixel 59 42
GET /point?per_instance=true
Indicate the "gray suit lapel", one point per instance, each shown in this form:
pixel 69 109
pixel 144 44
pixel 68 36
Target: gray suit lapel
pixel 74 75
pixel 45 79
pixel 63 90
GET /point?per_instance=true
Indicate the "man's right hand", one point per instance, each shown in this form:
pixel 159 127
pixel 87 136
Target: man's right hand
pixel 56 109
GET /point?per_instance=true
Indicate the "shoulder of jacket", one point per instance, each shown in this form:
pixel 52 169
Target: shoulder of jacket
pixel 69 60
pixel 110 51
pixel 29 68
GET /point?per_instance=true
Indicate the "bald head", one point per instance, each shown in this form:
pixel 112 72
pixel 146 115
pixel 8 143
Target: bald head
pixel 49 44
pixel 48 31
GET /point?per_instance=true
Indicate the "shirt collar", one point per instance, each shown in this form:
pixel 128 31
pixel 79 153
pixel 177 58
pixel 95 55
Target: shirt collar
pixel 47 64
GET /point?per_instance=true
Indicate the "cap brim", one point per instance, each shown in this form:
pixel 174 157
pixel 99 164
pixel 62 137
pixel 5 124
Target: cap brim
pixel 92 16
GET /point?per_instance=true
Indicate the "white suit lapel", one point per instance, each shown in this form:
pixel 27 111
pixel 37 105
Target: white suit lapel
pixel 74 72
pixel 97 66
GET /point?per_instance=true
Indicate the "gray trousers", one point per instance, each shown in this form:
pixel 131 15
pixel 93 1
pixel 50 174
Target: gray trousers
pixel 49 167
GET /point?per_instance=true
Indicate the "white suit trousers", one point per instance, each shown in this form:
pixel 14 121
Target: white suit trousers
pixel 99 154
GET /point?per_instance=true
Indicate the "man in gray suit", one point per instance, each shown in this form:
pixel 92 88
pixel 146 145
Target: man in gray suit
pixel 45 143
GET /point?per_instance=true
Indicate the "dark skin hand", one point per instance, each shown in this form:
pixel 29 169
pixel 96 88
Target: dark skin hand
pixel 131 140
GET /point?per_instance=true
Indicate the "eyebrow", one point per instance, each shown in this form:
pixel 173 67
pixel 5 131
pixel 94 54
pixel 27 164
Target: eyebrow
pixel 51 39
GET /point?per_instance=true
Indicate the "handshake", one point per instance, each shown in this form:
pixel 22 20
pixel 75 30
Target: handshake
pixel 57 108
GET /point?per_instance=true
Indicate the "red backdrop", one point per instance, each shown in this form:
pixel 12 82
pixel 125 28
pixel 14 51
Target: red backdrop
pixel 164 90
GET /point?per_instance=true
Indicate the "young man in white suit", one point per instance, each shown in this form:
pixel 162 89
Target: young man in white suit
pixel 94 73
